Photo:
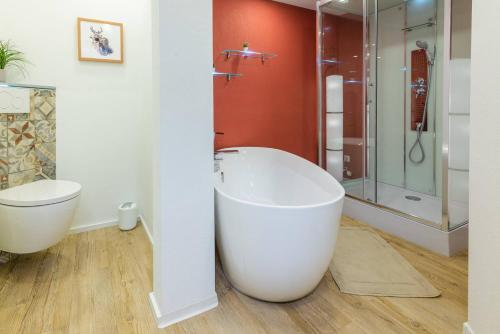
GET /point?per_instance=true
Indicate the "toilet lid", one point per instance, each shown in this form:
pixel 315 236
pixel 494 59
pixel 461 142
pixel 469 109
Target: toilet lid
pixel 41 192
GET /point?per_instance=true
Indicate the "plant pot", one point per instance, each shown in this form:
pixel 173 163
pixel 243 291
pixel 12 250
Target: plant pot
pixel 3 75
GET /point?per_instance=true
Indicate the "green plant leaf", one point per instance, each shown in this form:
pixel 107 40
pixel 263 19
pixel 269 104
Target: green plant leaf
pixel 11 57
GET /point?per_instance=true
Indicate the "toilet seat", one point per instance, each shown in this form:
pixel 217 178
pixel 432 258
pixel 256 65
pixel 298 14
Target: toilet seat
pixel 39 193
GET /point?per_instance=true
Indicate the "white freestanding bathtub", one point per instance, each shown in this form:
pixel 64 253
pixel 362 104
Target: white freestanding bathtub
pixel 277 218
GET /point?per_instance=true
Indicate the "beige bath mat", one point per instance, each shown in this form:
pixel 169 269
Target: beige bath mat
pixel 365 264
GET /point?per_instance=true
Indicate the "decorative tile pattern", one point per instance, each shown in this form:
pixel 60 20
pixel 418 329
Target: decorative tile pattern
pixel 28 141
pixel 43 105
pixel 45 131
pixel 49 170
pixel 4 158
pixel 4 163
pixel 45 154
pixel 24 159
pixel 20 133
pixel 3 131
pixel 4 168
pixel 17 179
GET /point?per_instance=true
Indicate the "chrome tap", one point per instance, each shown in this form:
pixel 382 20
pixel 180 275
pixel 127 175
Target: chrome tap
pixel 218 159
pixel 419 87
pixel 226 151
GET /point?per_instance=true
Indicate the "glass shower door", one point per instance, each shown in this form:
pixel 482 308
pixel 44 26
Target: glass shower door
pixel 371 99
pixel 349 124
pixel 408 67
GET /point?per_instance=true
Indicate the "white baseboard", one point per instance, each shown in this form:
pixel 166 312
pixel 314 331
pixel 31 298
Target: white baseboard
pixel 182 314
pixel 150 236
pixel 468 329
pixel 109 223
pixel 92 227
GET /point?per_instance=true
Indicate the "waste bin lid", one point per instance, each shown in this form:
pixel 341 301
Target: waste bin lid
pixel 127 205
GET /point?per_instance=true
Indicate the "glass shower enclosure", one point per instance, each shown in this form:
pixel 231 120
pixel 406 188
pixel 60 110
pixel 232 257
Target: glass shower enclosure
pixel 385 70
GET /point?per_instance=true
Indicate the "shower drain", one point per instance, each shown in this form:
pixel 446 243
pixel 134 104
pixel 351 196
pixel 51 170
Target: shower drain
pixel 413 198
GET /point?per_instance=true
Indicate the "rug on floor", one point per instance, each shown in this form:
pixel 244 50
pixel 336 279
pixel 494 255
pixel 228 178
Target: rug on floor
pixel 365 264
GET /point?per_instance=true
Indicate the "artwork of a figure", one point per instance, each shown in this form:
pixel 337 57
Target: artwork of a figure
pixel 101 43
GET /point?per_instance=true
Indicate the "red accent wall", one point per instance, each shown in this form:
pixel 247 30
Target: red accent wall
pixel 273 104
pixel 418 70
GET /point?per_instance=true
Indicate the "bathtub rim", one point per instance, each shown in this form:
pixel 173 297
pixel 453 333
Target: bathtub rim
pixel 336 199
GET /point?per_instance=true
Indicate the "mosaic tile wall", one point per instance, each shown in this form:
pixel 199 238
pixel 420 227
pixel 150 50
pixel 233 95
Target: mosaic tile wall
pixel 28 141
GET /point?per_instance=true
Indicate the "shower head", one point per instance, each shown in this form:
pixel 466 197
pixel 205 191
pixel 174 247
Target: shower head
pixel 425 46
pixel 422 44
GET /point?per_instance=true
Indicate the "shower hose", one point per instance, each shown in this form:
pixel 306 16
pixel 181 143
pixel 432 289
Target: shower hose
pixel 421 126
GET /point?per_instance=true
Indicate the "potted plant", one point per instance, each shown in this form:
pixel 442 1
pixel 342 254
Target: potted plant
pixel 245 47
pixel 10 57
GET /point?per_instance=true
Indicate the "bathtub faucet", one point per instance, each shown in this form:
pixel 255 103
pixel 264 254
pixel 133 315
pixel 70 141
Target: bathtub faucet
pixel 217 159
pixel 217 163
pixel 226 151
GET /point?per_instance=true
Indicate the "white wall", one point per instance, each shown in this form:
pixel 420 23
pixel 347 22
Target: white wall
pixel 484 238
pixel 184 249
pixel 103 110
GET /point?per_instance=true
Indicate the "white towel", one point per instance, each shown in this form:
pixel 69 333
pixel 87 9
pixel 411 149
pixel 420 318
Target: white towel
pixel 335 131
pixel 335 93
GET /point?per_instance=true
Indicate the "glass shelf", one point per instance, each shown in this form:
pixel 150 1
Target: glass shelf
pixel 14 85
pixel 353 82
pixel 332 61
pixel 228 76
pixel 420 26
pixel 249 54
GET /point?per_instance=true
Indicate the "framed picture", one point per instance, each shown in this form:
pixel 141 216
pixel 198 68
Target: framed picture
pixel 100 41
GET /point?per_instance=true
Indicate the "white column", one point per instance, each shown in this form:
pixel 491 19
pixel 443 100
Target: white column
pixel 184 261
pixel 484 227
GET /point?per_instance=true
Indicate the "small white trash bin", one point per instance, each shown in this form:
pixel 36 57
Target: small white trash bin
pixel 127 216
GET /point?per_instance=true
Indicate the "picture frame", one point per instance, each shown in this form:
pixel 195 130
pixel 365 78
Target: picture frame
pixel 100 41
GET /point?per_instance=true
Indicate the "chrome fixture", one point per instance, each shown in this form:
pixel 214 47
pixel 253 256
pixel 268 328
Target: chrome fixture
pixel 226 151
pixel 249 54
pixel 425 46
pixel 431 22
pixel 228 76
pixel 330 61
pixel 421 89
pixel 218 159
pixel 422 44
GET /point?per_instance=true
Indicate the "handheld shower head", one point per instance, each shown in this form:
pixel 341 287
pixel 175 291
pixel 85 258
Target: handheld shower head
pixel 422 44
pixel 425 46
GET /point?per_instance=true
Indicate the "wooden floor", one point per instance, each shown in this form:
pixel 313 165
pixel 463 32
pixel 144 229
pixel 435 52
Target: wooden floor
pixel 98 282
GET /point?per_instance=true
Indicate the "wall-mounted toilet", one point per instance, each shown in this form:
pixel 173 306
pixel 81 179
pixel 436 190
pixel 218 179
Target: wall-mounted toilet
pixel 37 215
